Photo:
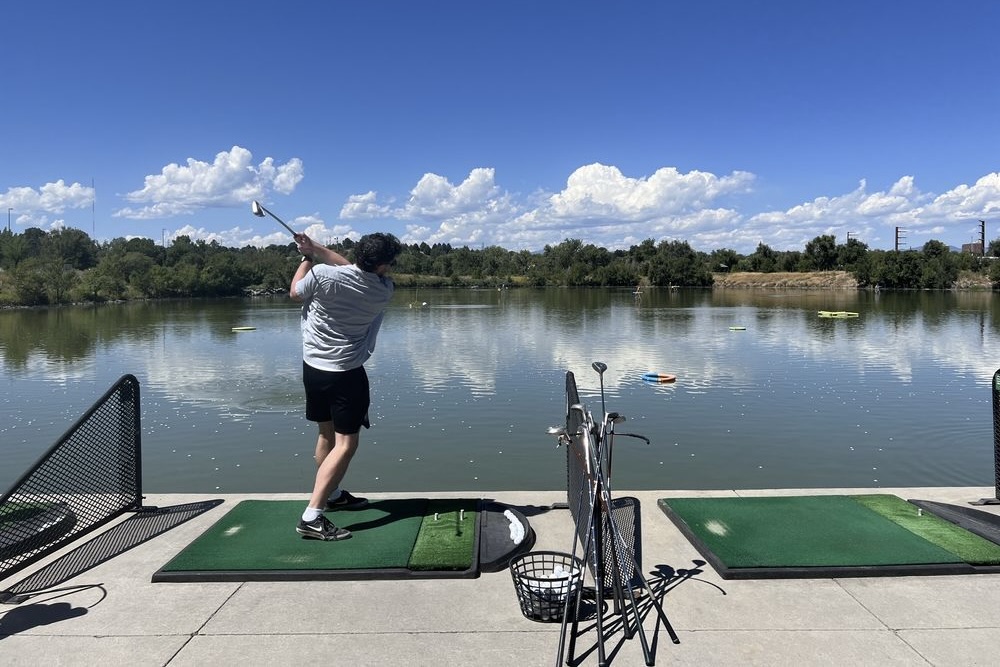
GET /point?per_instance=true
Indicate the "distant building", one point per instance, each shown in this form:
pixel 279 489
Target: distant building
pixel 973 248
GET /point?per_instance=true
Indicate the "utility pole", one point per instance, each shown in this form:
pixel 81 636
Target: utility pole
pixel 982 237
pixel 9 209
pixel 900 236
pixel 849 235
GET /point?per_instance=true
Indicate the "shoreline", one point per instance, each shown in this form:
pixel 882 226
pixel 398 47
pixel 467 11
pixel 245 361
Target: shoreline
pixel 824 280
pixel 816 280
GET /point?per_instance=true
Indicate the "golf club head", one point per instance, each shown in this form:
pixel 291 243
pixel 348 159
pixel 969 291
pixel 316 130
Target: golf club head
pixel 600 367
pixel 562 436
pixel 260 211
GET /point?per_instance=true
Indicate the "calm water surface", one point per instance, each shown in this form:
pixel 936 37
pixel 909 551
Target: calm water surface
pixel 466 382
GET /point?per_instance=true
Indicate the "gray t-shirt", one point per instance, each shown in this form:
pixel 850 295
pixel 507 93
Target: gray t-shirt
pixel 342 311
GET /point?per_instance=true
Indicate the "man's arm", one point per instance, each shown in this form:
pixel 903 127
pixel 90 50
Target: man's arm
pixel 300 273
pixel 320 254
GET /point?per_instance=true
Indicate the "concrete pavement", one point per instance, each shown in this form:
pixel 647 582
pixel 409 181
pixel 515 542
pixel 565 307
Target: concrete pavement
pixel 112 614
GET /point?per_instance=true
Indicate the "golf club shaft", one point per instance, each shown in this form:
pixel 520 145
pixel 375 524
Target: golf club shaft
pixel 259 210
pixel 290 230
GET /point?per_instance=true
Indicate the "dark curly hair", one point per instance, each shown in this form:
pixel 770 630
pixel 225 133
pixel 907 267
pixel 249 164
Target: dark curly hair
pixel 376 249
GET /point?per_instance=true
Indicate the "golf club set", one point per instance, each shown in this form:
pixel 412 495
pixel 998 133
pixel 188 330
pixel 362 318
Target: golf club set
pixel 612 556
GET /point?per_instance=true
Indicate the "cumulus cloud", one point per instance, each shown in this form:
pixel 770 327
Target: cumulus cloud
pixel 442 212
pixel 601 205
pixel 238 237
pixel 982 199
pixel 364 206
pixel 598 205
pixel 34 207
pixel 874 215
pixel 230 179
pixel 600 191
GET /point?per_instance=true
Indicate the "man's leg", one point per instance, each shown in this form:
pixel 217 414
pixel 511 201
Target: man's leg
pixel 334 462
pixel 324 441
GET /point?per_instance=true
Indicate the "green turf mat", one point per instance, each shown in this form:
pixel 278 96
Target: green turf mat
pixel 803 531
pixel 256 540
pixel 826 535
pixel 446 536
pixel 968 546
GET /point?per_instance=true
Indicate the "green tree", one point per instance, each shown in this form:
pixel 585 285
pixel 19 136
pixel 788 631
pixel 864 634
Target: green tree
pixel 220 277
pixel 763 259
pixel 851 254
pixel 791 260
pixel 939 269
pixel 13 250
pixel 723 260
pixel 28 281
pixel 821 253
pixel 897 269
pixel 676 263
pixel 71 246
pixel 993 249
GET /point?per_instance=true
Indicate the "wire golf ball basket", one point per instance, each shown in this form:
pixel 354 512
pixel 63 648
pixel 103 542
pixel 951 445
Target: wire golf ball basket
pixel 545 581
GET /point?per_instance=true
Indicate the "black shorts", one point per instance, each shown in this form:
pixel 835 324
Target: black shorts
pixel 341 397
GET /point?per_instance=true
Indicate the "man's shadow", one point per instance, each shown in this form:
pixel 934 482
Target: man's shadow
pixel 33 615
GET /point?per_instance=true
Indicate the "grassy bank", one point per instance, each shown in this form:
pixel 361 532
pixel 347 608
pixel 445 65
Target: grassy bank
pixel 824 280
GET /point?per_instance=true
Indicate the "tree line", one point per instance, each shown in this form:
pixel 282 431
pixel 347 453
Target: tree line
pixel 40 267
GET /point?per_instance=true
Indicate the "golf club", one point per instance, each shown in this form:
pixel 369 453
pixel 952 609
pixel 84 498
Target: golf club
pixel 600 367
pixel 259 211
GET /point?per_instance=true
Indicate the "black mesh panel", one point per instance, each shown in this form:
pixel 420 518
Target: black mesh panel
pixel 89 477
pixel 996 434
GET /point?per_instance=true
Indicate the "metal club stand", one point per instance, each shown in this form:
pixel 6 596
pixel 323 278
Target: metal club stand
pixel 600 516
pixel 995 500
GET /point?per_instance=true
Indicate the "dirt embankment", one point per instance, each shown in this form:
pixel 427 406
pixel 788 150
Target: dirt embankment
pixel 969 280
pixel 814 280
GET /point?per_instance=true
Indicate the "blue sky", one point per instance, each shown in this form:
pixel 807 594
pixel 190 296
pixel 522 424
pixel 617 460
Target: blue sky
pixel 521 123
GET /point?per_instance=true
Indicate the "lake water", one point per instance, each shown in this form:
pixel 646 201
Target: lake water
pixel 466 382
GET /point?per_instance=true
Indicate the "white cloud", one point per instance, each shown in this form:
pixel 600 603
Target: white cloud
pixel 435 197
pixel 600 191
pixel 231 179
pixel 31 207
pixel 874 215
pixel 363 206
pixel 237 237
pixel 963 202
pixel 598 204
pixel 50 198
pixel 462 214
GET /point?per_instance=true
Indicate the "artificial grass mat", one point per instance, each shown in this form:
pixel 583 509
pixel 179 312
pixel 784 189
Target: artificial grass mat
pixel 810 536
pixel 256 541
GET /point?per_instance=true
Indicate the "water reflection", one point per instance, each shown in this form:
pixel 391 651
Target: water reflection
pixel 465 386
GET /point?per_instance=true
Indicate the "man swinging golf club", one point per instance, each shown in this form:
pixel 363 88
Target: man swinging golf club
pixel 343 306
